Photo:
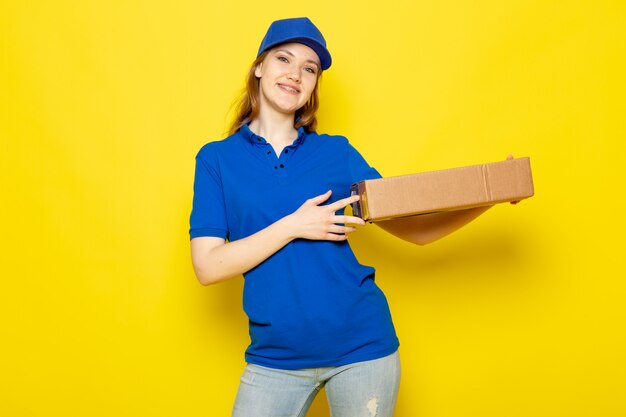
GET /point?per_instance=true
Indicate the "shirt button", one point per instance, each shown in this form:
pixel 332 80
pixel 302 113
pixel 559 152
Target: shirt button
pixel 282 166
pixel 258 139
pixel 286 150
pixel 269 152
pixel 275 167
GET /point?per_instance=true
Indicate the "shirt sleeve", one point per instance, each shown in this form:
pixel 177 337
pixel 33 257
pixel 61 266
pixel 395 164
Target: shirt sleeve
pixel 360 170
pixel 208 212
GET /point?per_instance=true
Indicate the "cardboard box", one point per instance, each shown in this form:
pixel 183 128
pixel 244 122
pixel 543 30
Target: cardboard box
pixel 443 190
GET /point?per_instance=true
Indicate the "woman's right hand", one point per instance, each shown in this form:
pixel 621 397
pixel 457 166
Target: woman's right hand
pixel 215 261
pixel 312 221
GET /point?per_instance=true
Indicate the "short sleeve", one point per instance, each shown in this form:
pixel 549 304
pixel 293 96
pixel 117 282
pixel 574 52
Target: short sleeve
pixel 360 170
pixel 208 212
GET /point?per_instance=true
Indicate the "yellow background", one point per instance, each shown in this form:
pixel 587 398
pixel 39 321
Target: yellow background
pixel 105 103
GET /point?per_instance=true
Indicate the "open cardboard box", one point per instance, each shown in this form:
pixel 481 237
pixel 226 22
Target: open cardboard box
pixel 443 190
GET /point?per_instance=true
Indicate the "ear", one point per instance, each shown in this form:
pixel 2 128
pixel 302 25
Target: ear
pixel 258 70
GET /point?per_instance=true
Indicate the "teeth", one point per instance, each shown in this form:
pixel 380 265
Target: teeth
pixel 288 88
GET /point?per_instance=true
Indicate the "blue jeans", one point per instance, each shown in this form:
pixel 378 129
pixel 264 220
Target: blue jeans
pixel 361 389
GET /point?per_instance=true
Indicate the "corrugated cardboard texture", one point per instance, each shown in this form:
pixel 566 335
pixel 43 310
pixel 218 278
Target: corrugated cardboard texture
pixel 443 190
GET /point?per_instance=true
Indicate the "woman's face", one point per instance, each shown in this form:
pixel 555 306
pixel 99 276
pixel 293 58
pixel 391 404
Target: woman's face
pixel 288 67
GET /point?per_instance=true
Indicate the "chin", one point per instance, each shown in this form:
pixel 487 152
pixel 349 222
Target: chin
pixel 289 109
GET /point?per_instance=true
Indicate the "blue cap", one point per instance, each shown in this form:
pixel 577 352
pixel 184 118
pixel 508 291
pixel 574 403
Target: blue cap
pixel 300 30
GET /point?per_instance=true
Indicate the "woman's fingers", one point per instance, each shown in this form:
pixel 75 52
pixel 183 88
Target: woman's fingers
pixel 339 233
pixel 321 222
pixel 339 204
pixel 317 200
pixel 331 236
pixel 347 219
pixel 340 229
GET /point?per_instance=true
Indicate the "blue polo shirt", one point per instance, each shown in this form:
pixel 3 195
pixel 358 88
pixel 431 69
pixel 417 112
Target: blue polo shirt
pixel 310 304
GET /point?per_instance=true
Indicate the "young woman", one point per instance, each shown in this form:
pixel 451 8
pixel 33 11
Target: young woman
pixel 276 190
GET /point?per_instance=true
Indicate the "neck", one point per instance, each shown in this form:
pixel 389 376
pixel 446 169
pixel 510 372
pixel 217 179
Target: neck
pixel 276 128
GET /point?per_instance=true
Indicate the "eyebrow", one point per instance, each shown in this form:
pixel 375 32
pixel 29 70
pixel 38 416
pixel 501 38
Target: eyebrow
pixel 289 53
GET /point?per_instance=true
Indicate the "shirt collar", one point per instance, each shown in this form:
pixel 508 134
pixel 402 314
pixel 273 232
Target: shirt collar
pixel 252 137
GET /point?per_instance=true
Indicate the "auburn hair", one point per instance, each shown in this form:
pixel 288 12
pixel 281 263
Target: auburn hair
pixel 248 107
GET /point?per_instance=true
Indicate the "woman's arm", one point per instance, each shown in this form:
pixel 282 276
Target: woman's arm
pixel 427 228
pixel 215 261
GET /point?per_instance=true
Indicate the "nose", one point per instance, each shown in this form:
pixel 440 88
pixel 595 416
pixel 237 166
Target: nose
pixel 294 74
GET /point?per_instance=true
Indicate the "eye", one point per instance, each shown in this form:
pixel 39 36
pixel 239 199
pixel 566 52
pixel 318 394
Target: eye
pixel 309 69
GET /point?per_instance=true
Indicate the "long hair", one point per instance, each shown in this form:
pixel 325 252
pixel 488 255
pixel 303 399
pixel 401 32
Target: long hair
pixel 248 107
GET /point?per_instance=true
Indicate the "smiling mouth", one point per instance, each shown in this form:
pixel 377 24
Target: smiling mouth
pixel 288 89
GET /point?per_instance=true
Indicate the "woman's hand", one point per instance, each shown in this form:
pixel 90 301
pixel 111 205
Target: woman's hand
pixel 215 261
pixel 312 221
